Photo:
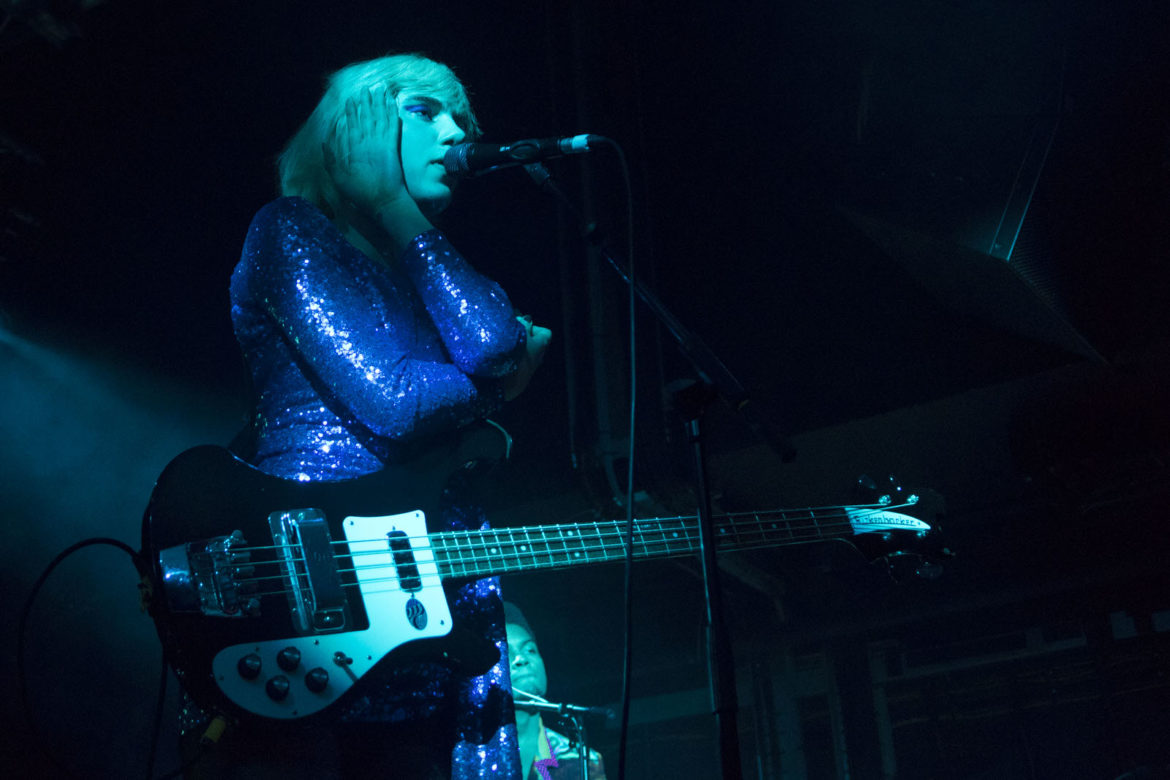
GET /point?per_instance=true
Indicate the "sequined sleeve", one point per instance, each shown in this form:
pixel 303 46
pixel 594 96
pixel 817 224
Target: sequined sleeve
pixel 474 317
pixel 357 330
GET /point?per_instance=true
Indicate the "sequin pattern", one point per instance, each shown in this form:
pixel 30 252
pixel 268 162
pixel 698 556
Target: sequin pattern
pixel 344 353
pixel 352 361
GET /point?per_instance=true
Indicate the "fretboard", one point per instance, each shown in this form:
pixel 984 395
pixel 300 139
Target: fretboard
pixel 511 550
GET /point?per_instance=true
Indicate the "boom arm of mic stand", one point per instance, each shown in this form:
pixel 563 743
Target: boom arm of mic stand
pixel 705 362
pixel 560 709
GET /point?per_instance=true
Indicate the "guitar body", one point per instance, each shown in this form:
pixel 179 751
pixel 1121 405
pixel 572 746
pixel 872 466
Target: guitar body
pixel 274 598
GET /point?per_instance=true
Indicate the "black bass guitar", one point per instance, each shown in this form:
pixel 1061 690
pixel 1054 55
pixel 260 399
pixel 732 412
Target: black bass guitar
pixel 274 598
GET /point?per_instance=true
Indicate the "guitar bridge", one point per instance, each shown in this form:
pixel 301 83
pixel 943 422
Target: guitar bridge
pixel 201 577
pixel 304 548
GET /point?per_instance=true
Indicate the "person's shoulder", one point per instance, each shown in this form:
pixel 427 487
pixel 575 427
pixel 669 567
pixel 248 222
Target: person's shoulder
pixel 278 230
pixel 286 223
pixel 285 209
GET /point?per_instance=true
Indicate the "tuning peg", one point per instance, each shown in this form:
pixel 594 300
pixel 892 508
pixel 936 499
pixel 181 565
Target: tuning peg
pixel 886 491
pixel 903 566
pixel 928 570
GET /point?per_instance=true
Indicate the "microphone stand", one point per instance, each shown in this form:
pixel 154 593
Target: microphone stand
pixel 706 363
pixel 715 380
pixel 572 712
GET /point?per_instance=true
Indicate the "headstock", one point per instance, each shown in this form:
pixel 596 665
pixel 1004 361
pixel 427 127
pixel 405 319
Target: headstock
pixel 899 527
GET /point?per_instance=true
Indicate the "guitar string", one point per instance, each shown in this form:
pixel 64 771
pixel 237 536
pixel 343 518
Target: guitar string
pixel 473 565
pixel 552 555
pixel 516 538
pixel 818 515
pixel 728 518
pixel 505 542
pixel 426 578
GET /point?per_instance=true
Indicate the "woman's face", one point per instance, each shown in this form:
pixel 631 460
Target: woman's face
pixel 428 131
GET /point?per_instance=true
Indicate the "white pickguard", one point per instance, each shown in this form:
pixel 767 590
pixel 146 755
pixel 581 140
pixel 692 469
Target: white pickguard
pixel 386 606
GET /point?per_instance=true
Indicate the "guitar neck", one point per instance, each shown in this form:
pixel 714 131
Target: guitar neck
pixel 514 550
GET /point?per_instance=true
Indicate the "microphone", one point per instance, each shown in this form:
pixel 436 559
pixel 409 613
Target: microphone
pixel 564 709
pixel 467 160
pixel 533 703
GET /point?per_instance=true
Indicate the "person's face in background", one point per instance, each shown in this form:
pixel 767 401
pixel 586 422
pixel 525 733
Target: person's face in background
pixel 428 131
pixel 527 666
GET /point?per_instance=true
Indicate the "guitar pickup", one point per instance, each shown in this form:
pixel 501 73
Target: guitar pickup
pixel 304 548
pixel 404 563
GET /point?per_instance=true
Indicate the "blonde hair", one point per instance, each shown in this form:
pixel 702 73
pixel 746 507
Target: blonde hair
pixel 302 163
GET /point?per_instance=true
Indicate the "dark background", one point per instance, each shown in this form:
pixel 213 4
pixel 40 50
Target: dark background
pixel 828 193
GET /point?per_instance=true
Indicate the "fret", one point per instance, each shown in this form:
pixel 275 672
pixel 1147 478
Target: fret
pixel 615 546
pixel 555 547
pixel 669 541
pixel 666 542
pixel 816 524
pixel 439 550
pixel 565 532
pixel 470 548
pixel 744 529
pixel 757 533
pixel 474 552
pixel 540 551
pixel 790 527
pixel 462 560
pixel 759 529
pixel 770 527
pixel 580 555
pixel 679 537
pixel 523 546
pixel 526 554
pixel 480 545
pixel 662 544
pixel 503 552
pixel 519 548
pixel 602 546
pixel 725 536
pixel 773 527
pixel 681 533
pixel 486 546
pixel 639 536
pixel 545 551
pixel 454 555
pixel 493 550
pixel 642 534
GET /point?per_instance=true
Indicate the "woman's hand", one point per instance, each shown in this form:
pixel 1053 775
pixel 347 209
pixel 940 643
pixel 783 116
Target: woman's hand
pixel 538 339
pixel 362 154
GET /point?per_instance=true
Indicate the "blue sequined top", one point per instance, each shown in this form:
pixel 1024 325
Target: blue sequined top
pixel 352 360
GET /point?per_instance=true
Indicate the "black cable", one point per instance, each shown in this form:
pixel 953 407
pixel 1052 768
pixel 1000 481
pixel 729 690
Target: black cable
pixel 202 752
pixel 544 180
pixel 22 631
pixel 628 585
pixel 156 731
